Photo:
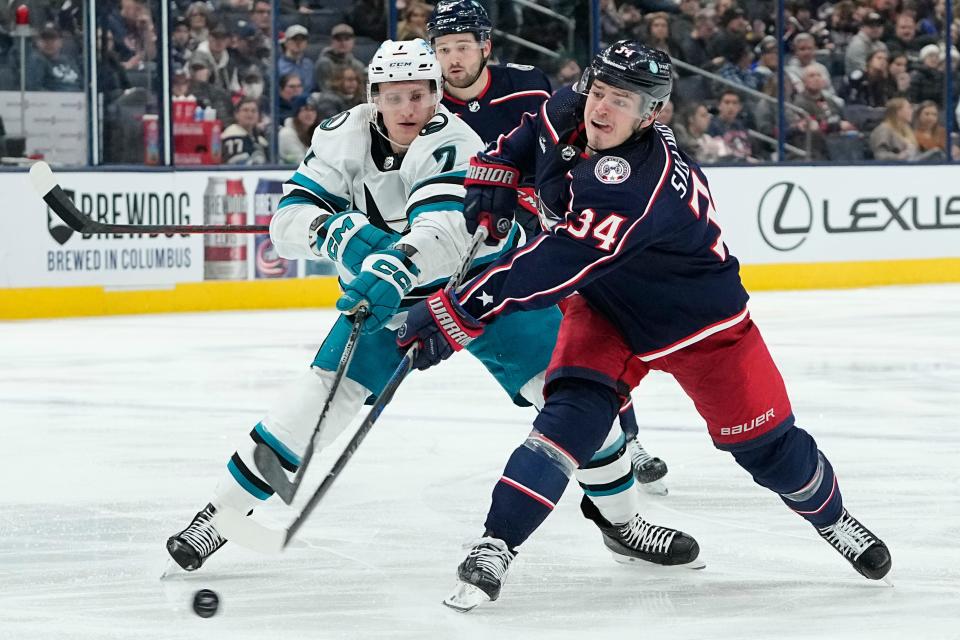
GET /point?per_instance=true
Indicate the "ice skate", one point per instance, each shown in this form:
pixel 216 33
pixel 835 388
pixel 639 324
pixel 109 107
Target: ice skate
pixel 191 547
pixel 640 541
pixel 481 574
pixel 648 471
pixel 865 551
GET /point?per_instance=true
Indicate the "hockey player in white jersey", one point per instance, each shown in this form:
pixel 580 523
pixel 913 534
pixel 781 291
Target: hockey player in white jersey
pixel 380 193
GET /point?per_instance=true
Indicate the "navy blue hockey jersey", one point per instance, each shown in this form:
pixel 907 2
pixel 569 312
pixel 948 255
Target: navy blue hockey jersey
pixel 634 232
pixel 511 91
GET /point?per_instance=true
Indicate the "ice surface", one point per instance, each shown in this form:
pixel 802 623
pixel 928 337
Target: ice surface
pixel 116 429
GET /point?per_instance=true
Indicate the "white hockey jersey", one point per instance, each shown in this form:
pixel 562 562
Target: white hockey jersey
pixel 418 194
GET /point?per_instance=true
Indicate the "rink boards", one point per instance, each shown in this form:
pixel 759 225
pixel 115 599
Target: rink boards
pixel 790 227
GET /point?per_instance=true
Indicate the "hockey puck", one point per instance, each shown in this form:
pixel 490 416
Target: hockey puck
pixel 206 603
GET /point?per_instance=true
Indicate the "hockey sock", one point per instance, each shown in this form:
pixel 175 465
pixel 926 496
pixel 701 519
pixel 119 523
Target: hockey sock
pixel 607 478
pixel 628 420
pixel 570 428
pixel 286 430
pixel 793 467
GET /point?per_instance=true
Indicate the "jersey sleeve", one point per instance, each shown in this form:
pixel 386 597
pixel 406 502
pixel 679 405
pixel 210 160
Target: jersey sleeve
pixel 518 146
pixel 435 168
pixel 605 227
pixel 321 184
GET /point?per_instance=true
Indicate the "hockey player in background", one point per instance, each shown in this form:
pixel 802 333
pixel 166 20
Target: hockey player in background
pixel 380 193
pixel 636 235
pixel 492 99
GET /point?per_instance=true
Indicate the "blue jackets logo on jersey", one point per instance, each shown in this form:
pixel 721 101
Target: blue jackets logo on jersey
pixel 612 170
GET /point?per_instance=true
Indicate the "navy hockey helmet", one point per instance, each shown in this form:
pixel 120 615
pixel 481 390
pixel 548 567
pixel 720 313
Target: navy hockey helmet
pixel 635 67
pixel 459 16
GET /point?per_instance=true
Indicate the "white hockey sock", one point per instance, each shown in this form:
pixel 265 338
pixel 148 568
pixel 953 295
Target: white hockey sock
pixel 607 479
pixel 286 429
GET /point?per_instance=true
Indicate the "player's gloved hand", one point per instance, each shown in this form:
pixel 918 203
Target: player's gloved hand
pixel 385 278
pixel 441 326
pixel 348 237
pixel 491 196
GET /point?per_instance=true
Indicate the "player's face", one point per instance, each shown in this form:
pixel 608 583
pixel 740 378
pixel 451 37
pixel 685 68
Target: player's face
pixel 406 107
pixel 611 115
pixel 461 58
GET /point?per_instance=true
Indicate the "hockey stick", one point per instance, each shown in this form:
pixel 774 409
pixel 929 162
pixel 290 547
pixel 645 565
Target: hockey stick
pixel 45 184
pixel 268 462
pixel 249 533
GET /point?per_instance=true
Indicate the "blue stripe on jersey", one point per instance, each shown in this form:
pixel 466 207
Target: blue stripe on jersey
pixel 243 482
pixel 439 178
pixel 278 447
pixel 609 451
pixel 294 200
pixel 446 205
pixel 620 488
pixel 307 183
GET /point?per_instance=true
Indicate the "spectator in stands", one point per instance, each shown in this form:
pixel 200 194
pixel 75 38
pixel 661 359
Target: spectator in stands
pixel 933 24
pixel 898 67
pixel 253 86
pixel 666 114
pixel 905 37
pixel 414 23
pixel 632 19
pixel 208 94
pixel 864 43
pixel 927 82
pixel 111 76
pixel 294 42
pixel 930 133
pixel 894 138
pixel 805 57
pixel 695 48
pixel 294 137
pixel 842 24
pixel 827 110
pixel 729 126
pixel 568 73
pixel 338 54
pixel 198 16
pixel 767 59
pixel 872 87
pixel 611 23
pixel 657 32
pixel 179 41
pixel 692 136
pixel 242 142
pixel 260 15
pixel 214 51
pixel 887 10
pixel 369 17
pixel 48 68
pixel 733 30
pixel 291 87
pixel 348 86
pixel 682 24
pixel 245 50
pixel 123 23
pixel 737 63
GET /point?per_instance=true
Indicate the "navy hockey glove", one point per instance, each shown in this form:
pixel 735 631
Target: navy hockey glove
pixel 385 278
pixel 441 326
pixel 347 238
pixel 491 196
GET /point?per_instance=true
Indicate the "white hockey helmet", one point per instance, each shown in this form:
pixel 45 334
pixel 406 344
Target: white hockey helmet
pixel 402 61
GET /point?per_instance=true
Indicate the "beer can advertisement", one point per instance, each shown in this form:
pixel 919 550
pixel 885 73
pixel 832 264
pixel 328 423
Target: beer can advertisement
pixel 225 254
pixel 267 264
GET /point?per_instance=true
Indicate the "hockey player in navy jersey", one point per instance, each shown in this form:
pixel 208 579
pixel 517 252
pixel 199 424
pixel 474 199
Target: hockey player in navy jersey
pixel 380 194
pixel 492 100
pixel 635 233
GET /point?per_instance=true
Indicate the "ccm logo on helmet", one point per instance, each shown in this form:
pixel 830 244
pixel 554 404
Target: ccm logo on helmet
pixel 448 324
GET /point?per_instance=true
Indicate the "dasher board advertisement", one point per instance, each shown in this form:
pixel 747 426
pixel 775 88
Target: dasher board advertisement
pixel 38 250
pixel 783 214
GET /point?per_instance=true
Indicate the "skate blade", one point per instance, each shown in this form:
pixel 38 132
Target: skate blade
pixel 170 569
pixel 696 563
pixel 656 488
pixel 466 597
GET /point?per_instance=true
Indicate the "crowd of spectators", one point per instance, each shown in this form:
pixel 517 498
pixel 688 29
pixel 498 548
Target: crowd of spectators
pixel 862 77
pixel 865 79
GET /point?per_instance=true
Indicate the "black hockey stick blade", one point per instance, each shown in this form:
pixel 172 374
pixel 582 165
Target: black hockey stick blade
pixel 267 461
pixel 45 184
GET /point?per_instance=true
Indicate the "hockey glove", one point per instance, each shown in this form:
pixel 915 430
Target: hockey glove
pixel 347 238
pixel 441 326
pixel 491 196
pixel 385 278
